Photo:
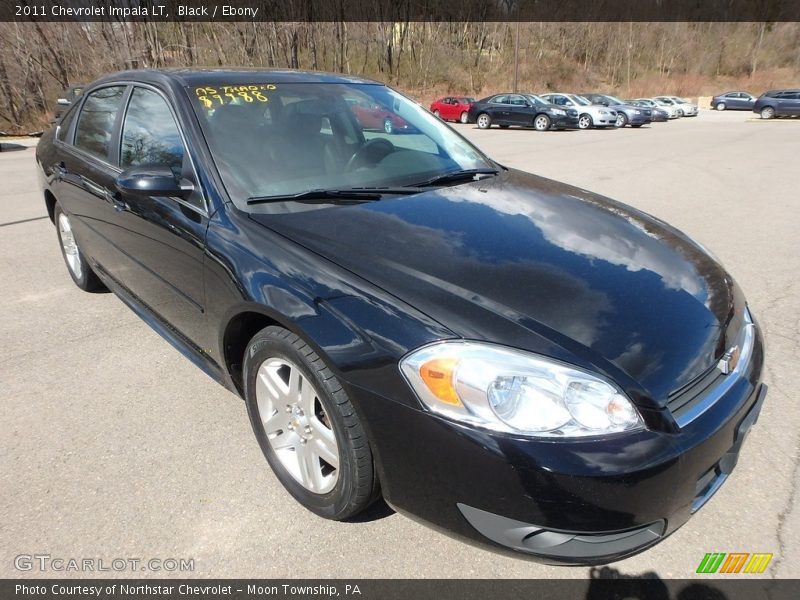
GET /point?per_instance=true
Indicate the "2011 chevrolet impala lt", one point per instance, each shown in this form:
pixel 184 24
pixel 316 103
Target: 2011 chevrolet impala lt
pixel 511 359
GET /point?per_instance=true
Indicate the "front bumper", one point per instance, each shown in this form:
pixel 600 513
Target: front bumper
pixel 585 501
pixel 563 121
pixel 640 119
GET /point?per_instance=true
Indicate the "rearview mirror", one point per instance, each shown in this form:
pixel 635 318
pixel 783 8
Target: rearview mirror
pixel 152 181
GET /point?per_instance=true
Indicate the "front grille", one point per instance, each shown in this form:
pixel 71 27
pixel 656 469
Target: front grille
pixel 691 400
pixel 682 399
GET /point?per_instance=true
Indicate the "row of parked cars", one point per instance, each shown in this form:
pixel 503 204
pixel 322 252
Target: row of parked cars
pixel 771 104
pixel 561 110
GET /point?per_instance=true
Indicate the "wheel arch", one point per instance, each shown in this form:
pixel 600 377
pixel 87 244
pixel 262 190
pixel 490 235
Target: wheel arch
pixel 50 203
pixel 240 327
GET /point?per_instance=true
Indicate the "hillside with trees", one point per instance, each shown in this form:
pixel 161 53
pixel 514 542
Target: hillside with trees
pixel 38 60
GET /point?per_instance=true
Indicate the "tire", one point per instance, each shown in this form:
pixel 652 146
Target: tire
pixel 681 113
pixel 622 120
pixel 388 126
pixel 585 122
pixel 720 106
pixel 437 114
pixel 484 121
pixel 768 112
pixel 318 449
pixel 464 117
pixel 80 271
pixel 541 122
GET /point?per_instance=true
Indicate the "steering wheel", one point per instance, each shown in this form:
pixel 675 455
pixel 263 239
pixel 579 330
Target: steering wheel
pixel 373 145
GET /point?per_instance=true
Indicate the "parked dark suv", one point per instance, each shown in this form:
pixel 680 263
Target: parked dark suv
pixel 778 103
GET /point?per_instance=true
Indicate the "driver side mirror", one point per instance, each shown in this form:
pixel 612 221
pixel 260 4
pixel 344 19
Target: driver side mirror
pixel 152 181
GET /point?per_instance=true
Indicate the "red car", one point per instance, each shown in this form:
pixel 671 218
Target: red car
pixel 452 108
pixel 375 116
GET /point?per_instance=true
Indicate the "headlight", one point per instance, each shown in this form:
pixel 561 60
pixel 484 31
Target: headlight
pixel 516 392
pixel 558 111
pixel 603 112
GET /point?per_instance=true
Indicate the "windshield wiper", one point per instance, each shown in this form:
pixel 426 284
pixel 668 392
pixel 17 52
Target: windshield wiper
pixel 456 176
pixel 338 196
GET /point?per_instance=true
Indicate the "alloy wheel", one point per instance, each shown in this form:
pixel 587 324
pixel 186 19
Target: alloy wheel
pixel 541 123
pixel 720 106
pixel 296 425
pixel 464 117
pixel 584 122
pixel 484 121
pixel 69 245
pixel 767 112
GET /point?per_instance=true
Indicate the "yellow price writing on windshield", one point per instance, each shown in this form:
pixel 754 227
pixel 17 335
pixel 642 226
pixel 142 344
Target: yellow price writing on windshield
pixel 230 94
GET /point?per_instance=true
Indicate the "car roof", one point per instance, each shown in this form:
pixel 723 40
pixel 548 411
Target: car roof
pixel 238 76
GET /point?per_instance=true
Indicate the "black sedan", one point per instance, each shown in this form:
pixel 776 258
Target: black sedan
pixel 778 103
pixel 521 110
pixel 733 101
pixel 509 358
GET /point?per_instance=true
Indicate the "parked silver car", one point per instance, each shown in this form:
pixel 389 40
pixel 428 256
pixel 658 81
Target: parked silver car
pixel 687 109
pixel 589 115
pixel 673 112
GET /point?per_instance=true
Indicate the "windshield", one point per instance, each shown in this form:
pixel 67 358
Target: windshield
pixel 579 100
pixel 289 138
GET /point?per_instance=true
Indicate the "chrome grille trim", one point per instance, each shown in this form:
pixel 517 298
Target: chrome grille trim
pixel 708 400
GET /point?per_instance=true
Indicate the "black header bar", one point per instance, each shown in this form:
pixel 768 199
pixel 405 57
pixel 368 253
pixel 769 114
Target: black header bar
pixel 400 10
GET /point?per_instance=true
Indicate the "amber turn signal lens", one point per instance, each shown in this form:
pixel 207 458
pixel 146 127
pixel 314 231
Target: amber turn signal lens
pixel 438 376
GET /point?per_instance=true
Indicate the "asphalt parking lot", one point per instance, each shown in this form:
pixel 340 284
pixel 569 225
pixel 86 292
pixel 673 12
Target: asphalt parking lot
pixel 115 446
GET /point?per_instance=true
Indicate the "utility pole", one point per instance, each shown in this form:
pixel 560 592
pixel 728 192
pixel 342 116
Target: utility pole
pixel 516 57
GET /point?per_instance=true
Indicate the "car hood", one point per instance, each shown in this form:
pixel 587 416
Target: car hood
pixel 617 288
pixel 628 107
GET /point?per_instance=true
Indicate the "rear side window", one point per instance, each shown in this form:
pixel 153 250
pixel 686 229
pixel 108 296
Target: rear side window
pixel 150 135
pixel 96 121
pixel 65 123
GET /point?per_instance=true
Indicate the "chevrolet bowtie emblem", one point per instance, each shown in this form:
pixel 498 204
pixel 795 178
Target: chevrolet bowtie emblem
pixel 728 361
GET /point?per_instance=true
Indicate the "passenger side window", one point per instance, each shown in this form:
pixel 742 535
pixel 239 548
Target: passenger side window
pixel 500 100
pixel 96 121
pixel 150 135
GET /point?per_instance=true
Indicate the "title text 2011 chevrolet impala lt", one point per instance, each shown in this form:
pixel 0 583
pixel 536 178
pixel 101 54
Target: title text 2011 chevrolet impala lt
pixel 511 359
